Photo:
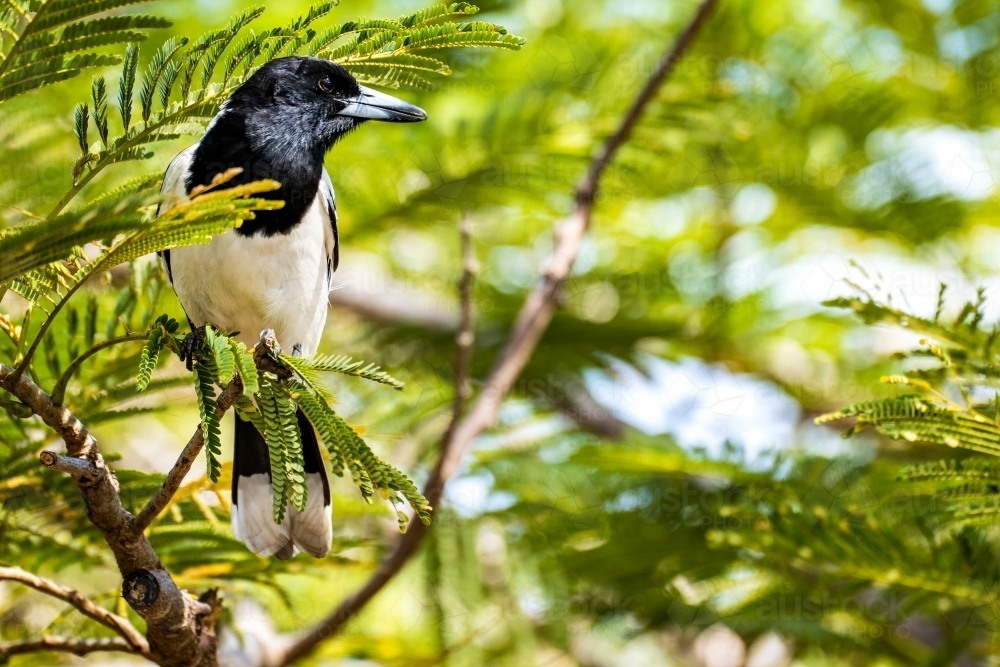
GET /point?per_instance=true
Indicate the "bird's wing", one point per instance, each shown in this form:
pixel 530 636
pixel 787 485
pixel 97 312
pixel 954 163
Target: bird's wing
pixel 174 192
pixel 328 209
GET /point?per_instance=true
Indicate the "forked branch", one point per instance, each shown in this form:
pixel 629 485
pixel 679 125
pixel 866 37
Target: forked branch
pixel 85 606
pixel 79 647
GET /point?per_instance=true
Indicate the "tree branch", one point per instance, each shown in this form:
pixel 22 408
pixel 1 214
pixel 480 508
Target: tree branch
pixel 59 390
pixel 180 629
pixel 466 335
pixel 85 606
pixel 79 647
pixel 182 466
pixel 531 323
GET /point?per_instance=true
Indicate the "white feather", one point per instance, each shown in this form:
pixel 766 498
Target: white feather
pixel 248 284
pixel 253 518
pixel 312 530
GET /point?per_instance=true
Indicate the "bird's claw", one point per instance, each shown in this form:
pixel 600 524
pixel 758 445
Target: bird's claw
pixel 266 353
pixel 268 343
pixel 192 346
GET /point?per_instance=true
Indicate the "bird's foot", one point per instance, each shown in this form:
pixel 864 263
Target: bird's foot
pixel 192 346
pixel 266 353
pixel 268 343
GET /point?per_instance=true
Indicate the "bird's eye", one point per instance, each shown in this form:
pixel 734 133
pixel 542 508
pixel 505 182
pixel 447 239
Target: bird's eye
pixel 326 84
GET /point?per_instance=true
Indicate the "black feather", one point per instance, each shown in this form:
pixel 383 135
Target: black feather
pixel 278 125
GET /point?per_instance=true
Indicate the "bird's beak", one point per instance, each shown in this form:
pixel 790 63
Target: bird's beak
pixel 373 105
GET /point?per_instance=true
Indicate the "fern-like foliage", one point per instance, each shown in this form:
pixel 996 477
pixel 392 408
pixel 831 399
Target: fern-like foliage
pixel 204 380
pixel 390 53
pixel 965 365
pixel 969 470
pixel 272 410
pixel 244 365
pixel 918 418
pixel 159 334
pixel 394 53
pixel 54 40
pixel 951 402
pixel 342 364
pixel 34 246
pixel 222 355
pixel 348 448
pixel 270 403
pixel 47 285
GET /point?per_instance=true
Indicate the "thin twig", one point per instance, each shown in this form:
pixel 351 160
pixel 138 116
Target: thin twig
pixel 531 323
pixel 86 471
pixel 161 499
pixel 79 647
pixel 181 629
pixel 85 606
pixel 59 390
pixel 466 335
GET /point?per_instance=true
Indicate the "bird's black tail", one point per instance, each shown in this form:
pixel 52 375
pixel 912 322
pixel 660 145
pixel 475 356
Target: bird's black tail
pixel 310 530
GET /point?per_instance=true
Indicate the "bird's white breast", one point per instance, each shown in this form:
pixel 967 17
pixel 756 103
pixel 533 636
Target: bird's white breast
pixel 248 284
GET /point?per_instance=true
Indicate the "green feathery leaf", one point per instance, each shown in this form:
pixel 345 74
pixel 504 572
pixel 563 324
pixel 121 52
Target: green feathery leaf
pixel 225 362
pixel 81 119
pixel 274 435
pixel 347 447
pixel 245 366
pixel 147 362
pixel 211 428
pixel 295 475
pixel 158 68
pixel 347 366
pixel 126 84
pixel 99 93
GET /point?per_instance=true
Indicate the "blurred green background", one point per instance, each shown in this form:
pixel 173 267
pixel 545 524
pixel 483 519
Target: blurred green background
pixel 629 508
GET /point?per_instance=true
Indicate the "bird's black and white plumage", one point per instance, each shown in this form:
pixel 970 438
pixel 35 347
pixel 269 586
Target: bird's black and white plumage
pixel 274 272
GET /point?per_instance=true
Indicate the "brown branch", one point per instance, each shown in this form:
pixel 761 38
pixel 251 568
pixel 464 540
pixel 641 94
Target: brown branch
pixel 161 499
pixel 531 323
pixel 466 335
pixel 85 606
pixel 79 647
pixel 393 303
pixel 180 630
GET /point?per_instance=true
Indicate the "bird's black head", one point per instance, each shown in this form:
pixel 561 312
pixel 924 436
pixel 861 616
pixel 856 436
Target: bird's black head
pixel 311 102
pixel 281 122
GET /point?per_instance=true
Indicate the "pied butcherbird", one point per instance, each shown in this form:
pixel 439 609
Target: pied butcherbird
pixel 274 271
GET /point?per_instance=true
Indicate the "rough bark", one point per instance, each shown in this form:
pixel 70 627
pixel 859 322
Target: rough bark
pixel 179 628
